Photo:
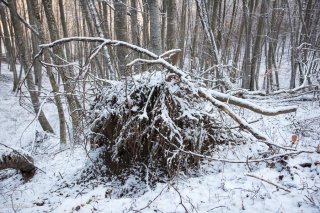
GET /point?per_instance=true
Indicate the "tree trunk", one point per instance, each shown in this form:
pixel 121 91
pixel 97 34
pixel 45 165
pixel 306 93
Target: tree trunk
pixel 35 43
pixel 155 32
pixel 257 48
pixel 171 24
pixel 246 67
pixel 9 46
pixel 97 22
pixel 55 87
pixel 182 29
pixel 145 17
pixel 65 75
pixel 120 28
pixel 24 62
pixel 13 159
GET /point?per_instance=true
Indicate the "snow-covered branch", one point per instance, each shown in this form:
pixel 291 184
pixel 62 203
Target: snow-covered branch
pixel 253 107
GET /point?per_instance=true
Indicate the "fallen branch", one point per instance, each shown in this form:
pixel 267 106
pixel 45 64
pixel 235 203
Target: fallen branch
pixel 267 181
pixel 233 161
pixel 253 107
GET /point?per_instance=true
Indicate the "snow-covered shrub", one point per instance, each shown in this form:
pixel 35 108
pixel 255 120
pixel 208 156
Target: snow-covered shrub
pixel 154 124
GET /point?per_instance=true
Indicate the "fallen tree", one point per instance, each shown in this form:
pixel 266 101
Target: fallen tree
pixel 162 122
pixel 16 159
pixel 216 99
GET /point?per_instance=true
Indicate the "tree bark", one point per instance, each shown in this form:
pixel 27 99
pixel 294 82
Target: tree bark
pixel 246 67
pixel 9 46
pixel 257 48
pixel 155 32
pixel 24 62
pixel 97 22
pixel 14 159
pixel 55 87
pixel 171 24
pixel 120 28
pixel 65 75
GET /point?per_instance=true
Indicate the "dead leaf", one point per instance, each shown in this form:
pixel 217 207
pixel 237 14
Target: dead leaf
pixel 294 138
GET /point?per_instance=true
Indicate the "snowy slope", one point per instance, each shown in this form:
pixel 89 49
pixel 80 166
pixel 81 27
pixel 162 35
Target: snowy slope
pixel 218 187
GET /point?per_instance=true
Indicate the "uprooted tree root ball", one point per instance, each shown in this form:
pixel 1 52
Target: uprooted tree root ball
pixel 150 123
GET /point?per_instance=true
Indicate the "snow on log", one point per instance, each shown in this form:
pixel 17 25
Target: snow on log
pixel 14 159
pixel 251 106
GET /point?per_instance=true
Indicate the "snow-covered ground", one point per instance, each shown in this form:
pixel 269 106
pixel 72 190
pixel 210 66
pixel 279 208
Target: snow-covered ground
pixel 218 187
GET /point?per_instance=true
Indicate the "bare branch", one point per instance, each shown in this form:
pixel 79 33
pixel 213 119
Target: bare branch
pixel 253 107
pixel 267 181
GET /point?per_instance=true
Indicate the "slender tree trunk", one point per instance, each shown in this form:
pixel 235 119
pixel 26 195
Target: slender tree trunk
pixel 164 16
pixel 120 28
pixel 97 22
pixel 106 19
pixel 55 87
pixel 257 48
pixel 182 29
pixel 24 62
pixel 246 67
pixel 65 75
pixel 135 38
pixel 35 43
pixel 11 53
pixel 146 28
pixel 155 32
pixel 171 24
pixel 64 29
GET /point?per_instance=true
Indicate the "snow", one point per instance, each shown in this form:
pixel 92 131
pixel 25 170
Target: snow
pixel 216 187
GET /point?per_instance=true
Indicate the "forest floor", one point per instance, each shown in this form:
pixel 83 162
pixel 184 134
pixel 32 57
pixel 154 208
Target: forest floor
pixel 217 186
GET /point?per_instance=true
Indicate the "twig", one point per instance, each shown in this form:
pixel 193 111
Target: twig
pixel 267 181
pixel 249 122
pixel 216 208
pixel 151 201
pixel 181 203
pixel 36 117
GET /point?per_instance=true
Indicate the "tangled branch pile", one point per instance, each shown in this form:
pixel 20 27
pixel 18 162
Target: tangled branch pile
pixel 146 122
pixel 162 122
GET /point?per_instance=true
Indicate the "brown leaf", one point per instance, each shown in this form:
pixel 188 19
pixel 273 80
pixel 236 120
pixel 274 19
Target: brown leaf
pixel 294 138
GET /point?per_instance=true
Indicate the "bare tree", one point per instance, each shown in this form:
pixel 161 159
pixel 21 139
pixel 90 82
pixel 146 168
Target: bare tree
pixel 25 64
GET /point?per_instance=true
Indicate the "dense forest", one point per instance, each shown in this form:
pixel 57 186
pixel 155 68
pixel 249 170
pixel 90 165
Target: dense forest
pixel 157 89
